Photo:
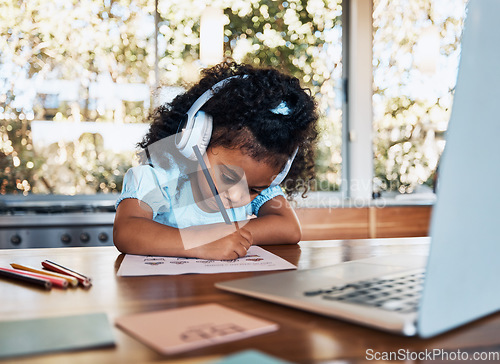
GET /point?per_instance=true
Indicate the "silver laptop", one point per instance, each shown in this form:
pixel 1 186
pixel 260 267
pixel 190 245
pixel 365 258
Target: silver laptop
pixel 458 282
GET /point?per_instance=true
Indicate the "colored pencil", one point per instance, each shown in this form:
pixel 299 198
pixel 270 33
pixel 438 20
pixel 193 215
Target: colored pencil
pixel 86 282
pixel 44 283
pixel 71 280
pixel 56 282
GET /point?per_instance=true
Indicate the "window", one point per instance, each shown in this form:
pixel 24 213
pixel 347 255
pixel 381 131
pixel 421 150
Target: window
pixel 74 80
pixel 75 92
pixel 416 48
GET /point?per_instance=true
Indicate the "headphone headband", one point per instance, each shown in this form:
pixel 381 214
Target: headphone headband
pixel 281 176
pixel 207 95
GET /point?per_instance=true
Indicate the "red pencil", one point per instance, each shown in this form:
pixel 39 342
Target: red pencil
pixel 44 283
pixel 84 281
pixel 56 282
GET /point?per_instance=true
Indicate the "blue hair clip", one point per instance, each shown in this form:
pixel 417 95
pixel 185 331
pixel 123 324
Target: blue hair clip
pixel 281 109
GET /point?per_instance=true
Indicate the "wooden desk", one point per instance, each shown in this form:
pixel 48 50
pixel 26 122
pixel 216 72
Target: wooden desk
pixel 303 337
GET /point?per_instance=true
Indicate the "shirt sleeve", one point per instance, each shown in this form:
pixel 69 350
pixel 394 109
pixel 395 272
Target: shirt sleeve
pixel 266 195
pixel 143 183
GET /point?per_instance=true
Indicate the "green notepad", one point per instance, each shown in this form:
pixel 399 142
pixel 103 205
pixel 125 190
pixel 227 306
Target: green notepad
pixel 44 335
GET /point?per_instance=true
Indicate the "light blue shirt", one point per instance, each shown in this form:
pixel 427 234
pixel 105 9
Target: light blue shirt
pixel 169 195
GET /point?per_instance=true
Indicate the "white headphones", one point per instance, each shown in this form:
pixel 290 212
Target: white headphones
pixel 198 130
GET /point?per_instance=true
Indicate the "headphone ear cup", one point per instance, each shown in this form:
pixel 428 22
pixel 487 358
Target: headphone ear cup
pixel 198 125
pixel 198 135
pixel 206 133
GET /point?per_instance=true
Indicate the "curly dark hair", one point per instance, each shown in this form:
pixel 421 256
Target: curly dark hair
pixel 242 118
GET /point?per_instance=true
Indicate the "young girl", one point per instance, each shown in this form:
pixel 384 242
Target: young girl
pixel 255 124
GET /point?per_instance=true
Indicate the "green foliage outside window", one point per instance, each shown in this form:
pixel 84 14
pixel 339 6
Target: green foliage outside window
pixel 83 40
pixel 412 105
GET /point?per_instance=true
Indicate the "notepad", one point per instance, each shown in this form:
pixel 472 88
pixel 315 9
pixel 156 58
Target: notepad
pixel 182 329
pixel 63 333
pixel 257 259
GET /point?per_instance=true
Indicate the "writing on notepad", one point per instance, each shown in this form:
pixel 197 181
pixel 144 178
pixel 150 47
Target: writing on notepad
pixel 257 259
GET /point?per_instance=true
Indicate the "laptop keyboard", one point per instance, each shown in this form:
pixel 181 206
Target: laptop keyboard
pixel 400 293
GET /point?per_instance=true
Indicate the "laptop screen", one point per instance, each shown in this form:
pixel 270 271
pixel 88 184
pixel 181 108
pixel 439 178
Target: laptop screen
pixel 462 272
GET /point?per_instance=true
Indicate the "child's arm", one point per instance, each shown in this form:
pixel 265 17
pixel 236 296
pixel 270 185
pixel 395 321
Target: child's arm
pixel 276 223
pixel 135 232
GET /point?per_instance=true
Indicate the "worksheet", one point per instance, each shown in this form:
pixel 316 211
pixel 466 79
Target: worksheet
pixel 257 259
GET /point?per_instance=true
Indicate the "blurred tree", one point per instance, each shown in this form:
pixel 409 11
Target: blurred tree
pixel 412 87
pixel 17 160
pixel 82 167
pixel 71 40
pixel 77 39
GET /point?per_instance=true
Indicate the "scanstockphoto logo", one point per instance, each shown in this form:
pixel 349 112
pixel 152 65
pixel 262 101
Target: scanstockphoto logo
pixel 435 354
pixel 318 191
pixel 192 195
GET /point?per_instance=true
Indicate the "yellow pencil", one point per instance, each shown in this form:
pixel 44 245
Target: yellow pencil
pixel 71 280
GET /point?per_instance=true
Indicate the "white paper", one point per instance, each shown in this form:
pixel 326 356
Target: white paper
pixel 257 259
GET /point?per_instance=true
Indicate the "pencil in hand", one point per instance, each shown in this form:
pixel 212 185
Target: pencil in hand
pixel 211 184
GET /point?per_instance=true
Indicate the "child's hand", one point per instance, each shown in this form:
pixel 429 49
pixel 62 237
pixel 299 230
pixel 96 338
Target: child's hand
pixel 232 246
